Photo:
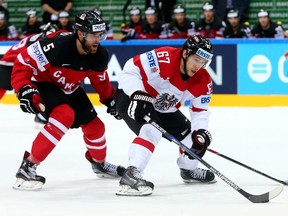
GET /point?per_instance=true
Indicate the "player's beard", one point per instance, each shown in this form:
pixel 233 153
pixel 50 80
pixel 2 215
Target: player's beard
pixel 91 48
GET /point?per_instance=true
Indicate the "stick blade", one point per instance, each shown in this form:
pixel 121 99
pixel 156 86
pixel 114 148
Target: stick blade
pixel 266 197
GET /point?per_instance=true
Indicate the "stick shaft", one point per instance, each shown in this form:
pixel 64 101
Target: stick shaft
pixel 246 166
pixel 262 198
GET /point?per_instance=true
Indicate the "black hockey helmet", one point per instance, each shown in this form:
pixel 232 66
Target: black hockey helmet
pixel 207 6
pixel 31 12
pixel 150 10
pixel 135 11
pixel 195 42
pixel 200 46
pixel 263 13
pixel 233 13
pixel 179 9
pixel 89 22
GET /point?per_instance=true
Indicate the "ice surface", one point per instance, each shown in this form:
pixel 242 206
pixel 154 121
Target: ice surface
pixel 255 136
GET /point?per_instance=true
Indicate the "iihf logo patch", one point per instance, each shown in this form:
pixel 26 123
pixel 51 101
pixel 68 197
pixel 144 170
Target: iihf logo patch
pixel 165 101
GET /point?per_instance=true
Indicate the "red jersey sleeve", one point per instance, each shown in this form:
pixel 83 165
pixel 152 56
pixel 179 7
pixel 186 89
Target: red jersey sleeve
pixel 102 85
pixel 29 62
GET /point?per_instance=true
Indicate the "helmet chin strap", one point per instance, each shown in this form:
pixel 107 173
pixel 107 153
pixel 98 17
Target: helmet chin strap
pixel 184 76
pixel 83 42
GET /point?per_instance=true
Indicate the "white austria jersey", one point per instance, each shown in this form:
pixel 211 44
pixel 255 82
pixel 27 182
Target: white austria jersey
pixel 157 72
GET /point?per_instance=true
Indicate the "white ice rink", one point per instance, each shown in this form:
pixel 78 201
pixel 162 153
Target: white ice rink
pixel 257 137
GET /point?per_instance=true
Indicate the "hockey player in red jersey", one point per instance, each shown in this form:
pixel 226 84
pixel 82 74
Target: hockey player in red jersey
pixel 7 61
pixel 47 77
pixel 155 84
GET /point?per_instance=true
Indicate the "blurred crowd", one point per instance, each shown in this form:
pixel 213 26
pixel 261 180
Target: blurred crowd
pixel 53 11
pixel 162 19
pixel 218 21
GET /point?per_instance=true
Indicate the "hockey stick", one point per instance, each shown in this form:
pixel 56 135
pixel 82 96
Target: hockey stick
pixel 262 198
pixel 128 2
pixel 248 167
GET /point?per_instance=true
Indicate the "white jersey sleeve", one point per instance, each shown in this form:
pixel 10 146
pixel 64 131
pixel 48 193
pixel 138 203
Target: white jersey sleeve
pixel 129 78
pixel 200 119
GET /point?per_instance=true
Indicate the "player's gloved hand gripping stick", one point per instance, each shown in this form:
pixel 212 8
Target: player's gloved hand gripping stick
pixel 30 100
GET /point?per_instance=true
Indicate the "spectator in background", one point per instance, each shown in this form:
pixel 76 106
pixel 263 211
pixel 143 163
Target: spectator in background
pixel 109 29
pixel 52 8
pixel 210 26
pixel 181 26
pixel 286 54
pixel 134 27
pixel 64 22
pixel 236 28
pixel 223 6
pixel 152 28
pixel 8 31
pixel 4 10
pixel 164 8
pixel 266 28
pixel 32 25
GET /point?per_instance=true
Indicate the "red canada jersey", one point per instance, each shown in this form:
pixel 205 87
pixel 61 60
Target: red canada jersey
pixel 157 72
pixel 183 30
pixel 57 60
pixel 152 32
pixel 210 30
pixel 10 56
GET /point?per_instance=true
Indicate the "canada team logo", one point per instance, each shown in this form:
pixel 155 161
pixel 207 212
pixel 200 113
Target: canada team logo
pixel 165 101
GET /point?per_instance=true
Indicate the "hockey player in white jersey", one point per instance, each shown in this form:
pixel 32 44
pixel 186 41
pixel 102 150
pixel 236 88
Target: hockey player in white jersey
pixel 155 84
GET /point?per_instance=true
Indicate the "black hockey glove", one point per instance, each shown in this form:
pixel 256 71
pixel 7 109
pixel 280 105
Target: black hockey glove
pixel 141 105
pixel 30 100
pixel 111 108
pixel 128 32
pixel 201 140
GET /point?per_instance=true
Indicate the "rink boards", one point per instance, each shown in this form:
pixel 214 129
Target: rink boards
pixel 245 72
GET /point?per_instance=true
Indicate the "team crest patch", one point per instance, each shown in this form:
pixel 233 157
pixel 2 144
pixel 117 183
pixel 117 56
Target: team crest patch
pixel 165 101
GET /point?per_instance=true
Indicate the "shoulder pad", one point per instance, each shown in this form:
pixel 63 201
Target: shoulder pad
pixel 35 37
pixel 58 48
